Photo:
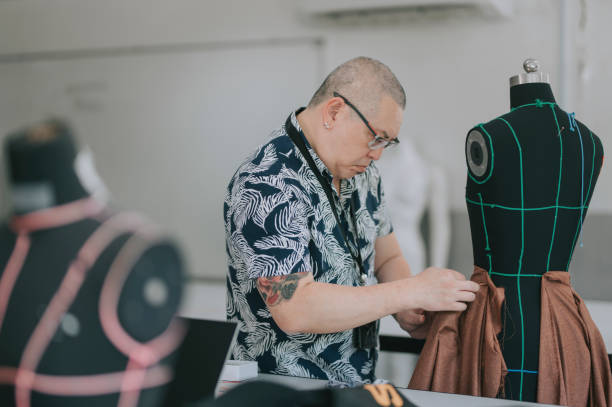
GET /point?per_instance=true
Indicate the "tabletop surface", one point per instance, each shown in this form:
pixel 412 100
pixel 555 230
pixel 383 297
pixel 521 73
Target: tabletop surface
pixel 420 398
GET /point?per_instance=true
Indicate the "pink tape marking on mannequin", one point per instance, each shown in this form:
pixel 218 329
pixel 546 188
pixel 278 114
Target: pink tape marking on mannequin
pixel 88 385
pixel 63 298
pixel 56 216
pixel 141 355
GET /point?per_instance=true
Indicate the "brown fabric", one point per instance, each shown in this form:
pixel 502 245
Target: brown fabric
pixel 462 354
pixel 574 367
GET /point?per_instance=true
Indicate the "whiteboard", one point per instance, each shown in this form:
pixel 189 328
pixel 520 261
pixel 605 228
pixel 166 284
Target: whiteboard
pixel 169 128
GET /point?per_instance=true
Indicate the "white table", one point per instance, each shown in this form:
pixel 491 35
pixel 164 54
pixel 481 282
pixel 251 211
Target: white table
pixel 420 398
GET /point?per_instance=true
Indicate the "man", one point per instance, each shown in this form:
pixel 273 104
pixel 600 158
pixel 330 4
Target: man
pixel 307 230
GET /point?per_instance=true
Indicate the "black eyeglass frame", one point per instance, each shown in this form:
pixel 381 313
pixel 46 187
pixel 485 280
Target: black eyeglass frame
pixel 379 141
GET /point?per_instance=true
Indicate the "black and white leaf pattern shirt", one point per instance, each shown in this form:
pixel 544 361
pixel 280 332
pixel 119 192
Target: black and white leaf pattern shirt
pixel 278 221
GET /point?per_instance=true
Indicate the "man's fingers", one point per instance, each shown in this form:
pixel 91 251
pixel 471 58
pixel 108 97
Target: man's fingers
pixel 466 296
pixel 458 306
pixel 468 286
pixel 412 318
pixel 418 318
pixel 445 289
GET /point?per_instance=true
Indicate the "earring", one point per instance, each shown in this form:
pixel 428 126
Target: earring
pixel 326 125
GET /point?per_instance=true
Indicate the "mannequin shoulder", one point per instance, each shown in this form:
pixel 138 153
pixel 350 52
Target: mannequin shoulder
pixel 589 134
pixel 480 152
pixel 597 148
pixel 144 285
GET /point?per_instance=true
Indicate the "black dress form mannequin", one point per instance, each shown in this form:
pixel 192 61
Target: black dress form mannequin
pixel 532 173
pixel 85 294
pixel 528 335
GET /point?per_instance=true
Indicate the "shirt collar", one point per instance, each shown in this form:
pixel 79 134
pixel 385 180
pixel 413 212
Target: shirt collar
pixel 318 162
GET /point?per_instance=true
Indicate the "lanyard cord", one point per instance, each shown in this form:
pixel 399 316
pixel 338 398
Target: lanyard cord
pixel 297 140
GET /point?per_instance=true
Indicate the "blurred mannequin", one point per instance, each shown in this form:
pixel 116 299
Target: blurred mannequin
pixel 86 295
pixel 413 187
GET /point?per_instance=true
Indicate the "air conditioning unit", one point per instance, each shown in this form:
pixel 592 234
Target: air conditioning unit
pixel 504 8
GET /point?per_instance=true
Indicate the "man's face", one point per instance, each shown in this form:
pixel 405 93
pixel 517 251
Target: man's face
pixel 351 142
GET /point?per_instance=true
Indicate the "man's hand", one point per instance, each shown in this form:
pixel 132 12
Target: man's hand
pixel 438 290
pixel 415 321
pixel 444 290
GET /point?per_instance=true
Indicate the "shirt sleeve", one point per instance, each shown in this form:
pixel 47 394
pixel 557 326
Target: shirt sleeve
pixel 270 231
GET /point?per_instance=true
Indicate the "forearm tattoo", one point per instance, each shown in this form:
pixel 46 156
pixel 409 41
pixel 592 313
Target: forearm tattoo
pixel 275 290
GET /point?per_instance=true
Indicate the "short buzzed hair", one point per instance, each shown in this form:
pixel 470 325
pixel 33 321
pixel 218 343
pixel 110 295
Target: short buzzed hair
pixel 363 81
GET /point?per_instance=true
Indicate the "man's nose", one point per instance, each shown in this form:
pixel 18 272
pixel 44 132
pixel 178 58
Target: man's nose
pixel 375 154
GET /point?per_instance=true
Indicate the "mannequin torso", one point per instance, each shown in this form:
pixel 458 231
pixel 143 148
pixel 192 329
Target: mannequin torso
pixel 532 173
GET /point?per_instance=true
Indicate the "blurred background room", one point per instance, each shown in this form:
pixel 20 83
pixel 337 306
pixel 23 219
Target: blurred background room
pixel 170 96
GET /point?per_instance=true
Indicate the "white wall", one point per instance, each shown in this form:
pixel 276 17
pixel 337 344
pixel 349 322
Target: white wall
pixel 593 83
pixel 120 66
pixel 169 129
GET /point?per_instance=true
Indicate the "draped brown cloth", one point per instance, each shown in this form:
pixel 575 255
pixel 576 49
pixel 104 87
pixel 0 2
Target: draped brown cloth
pixel 574 368
pixel 462 354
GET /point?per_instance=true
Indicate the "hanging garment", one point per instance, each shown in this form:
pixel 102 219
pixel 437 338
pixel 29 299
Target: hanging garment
pixel 574 364
pixel 462 354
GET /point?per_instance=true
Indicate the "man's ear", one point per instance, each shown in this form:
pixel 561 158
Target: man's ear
pixel 331 109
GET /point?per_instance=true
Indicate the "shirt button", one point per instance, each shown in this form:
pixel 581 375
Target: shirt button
pixel 363 277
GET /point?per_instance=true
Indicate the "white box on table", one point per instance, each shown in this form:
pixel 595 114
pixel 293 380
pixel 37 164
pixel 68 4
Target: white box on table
pixel 238 370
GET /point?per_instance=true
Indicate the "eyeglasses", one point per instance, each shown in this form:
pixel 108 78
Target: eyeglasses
pixel 379 141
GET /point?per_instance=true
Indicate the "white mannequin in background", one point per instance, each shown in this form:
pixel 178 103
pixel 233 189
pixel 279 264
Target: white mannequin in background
pixel 413 186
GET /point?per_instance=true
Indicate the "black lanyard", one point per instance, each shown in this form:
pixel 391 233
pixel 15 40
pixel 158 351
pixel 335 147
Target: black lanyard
pixel 299 142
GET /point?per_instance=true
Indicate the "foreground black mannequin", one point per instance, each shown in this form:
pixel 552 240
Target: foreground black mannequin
pixel 86 293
